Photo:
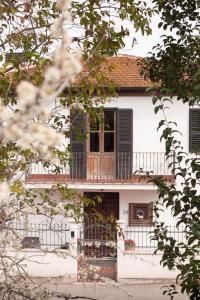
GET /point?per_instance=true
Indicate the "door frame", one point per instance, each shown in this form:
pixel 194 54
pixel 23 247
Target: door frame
pixel 116 200
pixel 103 263
pixel 100 154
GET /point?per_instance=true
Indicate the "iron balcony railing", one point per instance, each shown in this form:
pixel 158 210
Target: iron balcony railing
pixel 105 167
pixel 45 236
pixel 142 237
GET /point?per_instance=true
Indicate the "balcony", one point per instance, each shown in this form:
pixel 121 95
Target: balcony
pixel 130 168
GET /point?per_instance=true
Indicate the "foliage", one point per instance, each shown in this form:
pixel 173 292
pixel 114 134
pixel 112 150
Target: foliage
pixel 26 45
pixel 169 291
pixel 174 68
pixel 26 31
pixel 30 130
pixel 174 62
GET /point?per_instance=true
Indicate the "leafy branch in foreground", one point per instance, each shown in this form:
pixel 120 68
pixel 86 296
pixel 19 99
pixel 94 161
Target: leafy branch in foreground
pixel 26 136
pixel 173 66
pixel 183 199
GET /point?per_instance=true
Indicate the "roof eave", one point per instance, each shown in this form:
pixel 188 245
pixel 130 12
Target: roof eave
pixel 132 90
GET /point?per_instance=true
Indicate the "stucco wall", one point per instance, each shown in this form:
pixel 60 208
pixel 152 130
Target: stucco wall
pixel 37 263
pixel 142 266
pixel 137 196
pixel 141 196
pixel 145 135
pixel 145 122
pixel 133 264
pixel 125 197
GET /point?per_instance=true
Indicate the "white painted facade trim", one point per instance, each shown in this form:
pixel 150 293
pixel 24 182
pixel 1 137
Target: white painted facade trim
pixel 95 186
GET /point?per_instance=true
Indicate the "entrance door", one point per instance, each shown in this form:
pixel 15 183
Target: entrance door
pixel 100 220
pixel 101 160
pixel 97 244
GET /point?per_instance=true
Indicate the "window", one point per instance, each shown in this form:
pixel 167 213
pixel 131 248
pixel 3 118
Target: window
pixel 102 134
pixel 115 137
pixel 140 214
pixel 194 130
pixel 94 135
pixel 109 131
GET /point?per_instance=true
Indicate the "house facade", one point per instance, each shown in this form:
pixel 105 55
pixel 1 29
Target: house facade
pixel 113 164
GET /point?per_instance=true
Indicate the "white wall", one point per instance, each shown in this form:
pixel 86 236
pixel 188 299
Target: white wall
pixel 138 196
pixel 125 197
pixel 142 266
pixel 145 122
pixel 42 218
pixel 141 196
pixel 37 263
pixel 145 135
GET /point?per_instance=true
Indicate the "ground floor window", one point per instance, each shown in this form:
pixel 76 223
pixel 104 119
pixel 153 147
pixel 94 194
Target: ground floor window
pixel 140 214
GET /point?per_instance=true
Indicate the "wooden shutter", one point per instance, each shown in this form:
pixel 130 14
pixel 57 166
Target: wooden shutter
pixel 78 145
pixel 148 214
pixel 124 143
pixel 194 130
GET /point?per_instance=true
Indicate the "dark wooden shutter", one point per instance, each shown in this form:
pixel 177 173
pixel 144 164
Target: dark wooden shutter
pixel 124 143
pixel 194 130
pixel 148 214
pixel 78 145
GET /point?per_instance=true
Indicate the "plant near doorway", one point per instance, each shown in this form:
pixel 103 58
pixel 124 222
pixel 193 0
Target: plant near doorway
pixel 129 245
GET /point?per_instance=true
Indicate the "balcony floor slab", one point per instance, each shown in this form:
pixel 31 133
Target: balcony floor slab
pixel 94 186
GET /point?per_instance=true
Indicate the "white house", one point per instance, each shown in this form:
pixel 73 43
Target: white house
pixel 109 164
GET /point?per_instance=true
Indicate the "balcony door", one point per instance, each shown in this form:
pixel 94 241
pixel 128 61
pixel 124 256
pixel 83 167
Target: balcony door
pixel 106 154
pixel 101 147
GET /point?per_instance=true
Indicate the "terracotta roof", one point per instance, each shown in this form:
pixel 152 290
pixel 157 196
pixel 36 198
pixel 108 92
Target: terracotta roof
pixel 124 71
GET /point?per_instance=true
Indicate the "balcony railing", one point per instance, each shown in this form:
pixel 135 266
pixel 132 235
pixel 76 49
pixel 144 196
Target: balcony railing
pixel 143 237
pixel 119 167
pixel 45 235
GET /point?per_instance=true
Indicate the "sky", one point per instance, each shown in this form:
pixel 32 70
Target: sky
pixel 144 43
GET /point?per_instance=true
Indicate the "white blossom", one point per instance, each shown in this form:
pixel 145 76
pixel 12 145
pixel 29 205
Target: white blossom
pixel 27 93
pixel 97 244
pixel 55 28
pixel 60 208
pixel 67 39
pixel 28 127
pixel 13 131
pixel 64 4
pixel 4 113
pixel 52 74
pixel 71 66
pixel 69 63
pixel 4 191
pixel 20 126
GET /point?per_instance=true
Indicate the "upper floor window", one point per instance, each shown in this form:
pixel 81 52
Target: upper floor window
pixel 102 134
pixel 104 146
pixel 194 130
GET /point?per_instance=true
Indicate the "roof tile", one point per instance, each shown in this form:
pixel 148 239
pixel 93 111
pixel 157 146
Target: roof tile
pixel 124 71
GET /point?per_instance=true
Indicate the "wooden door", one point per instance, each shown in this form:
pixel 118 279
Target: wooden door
pixel 97 244
pixel 106 205
pixel 101 160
